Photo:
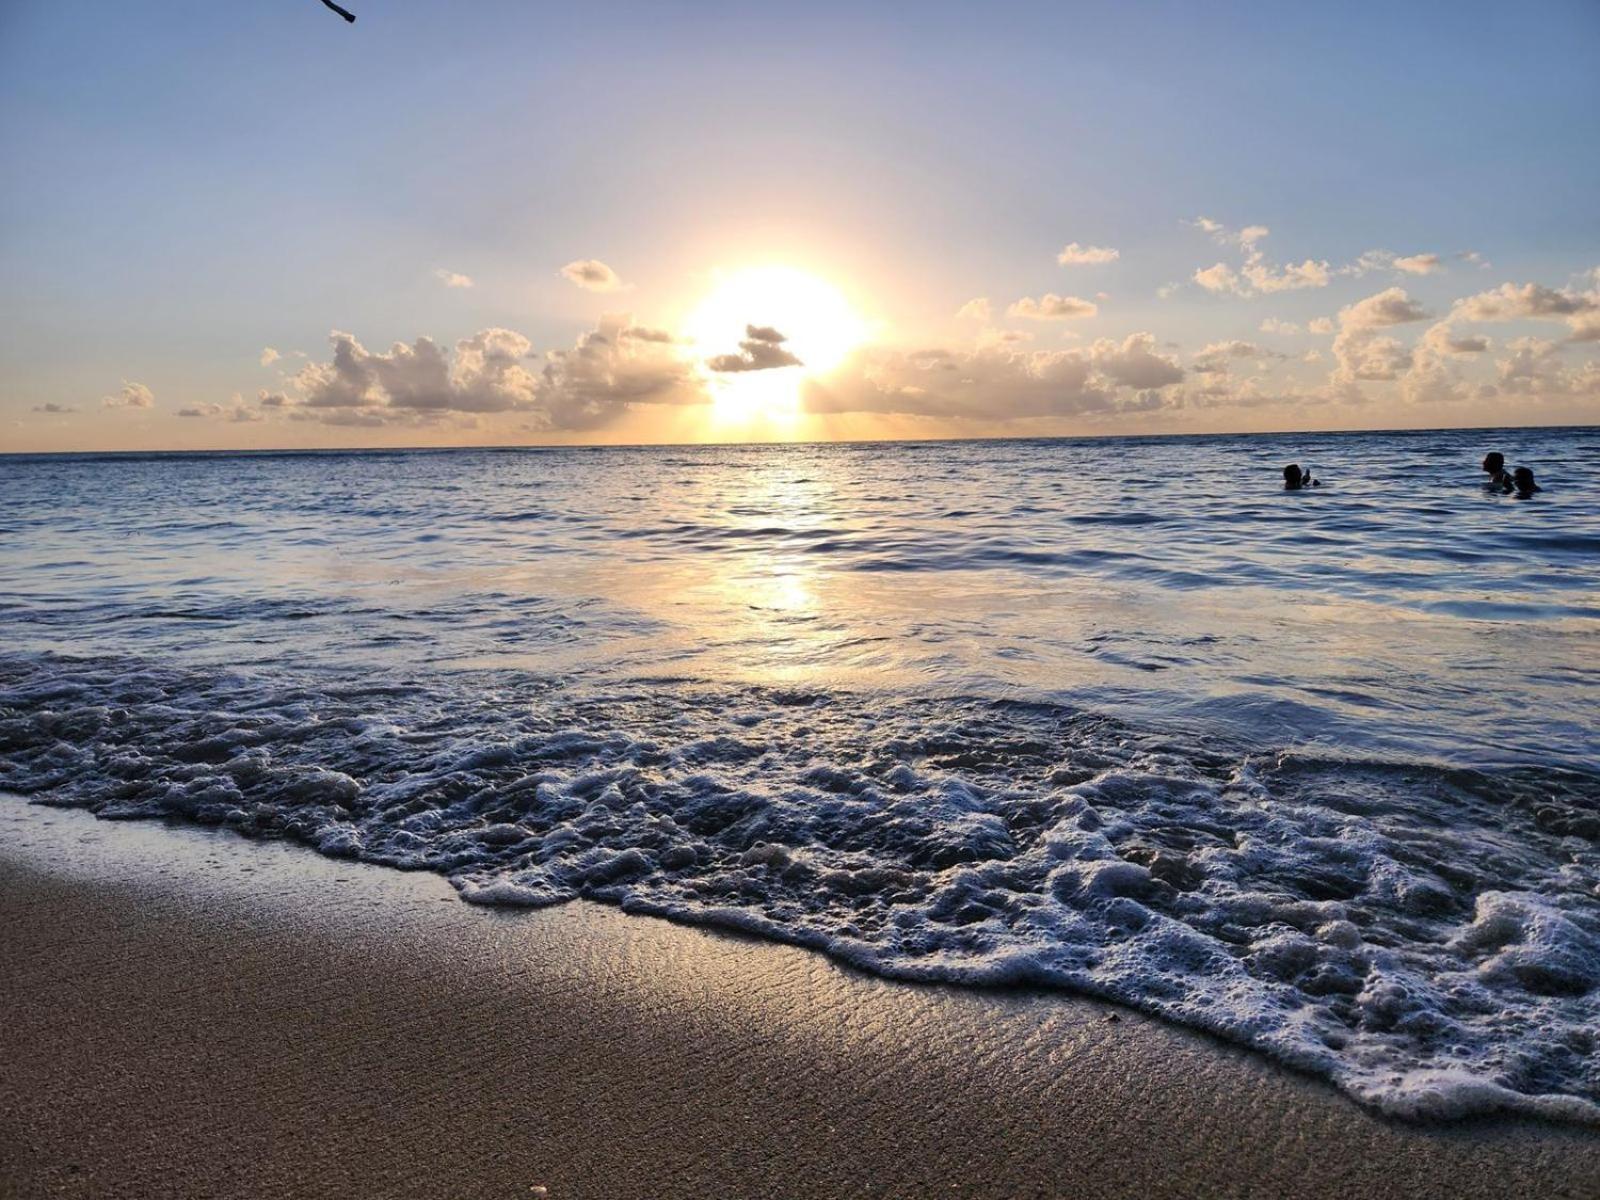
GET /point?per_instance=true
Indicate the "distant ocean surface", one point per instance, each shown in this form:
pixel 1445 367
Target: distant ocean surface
pixel 1318 772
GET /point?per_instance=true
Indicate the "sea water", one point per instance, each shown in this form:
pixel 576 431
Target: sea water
pixel 1318 771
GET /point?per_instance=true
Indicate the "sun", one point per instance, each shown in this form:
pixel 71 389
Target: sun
pixel 818 325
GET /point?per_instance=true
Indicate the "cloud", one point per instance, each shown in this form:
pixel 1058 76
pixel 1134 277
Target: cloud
pixel 487 375
pixel 1391 306
pixel 1361 352
pixel 53 408
pixel 452 279
pixel 273 400
pixel 1388 260
pixel 269 356
pixel 1000 382
pixel 1273 325
pixel 1075 255
pixel 130 395
pixel 975 310
pixel 1419 264
pixel 762 350
pixel 1320 325
pixel 1528 301
pixel 616 365
pixel 1213 359
pixel 592 275
pixel 240 413
pixel 1051 307
pixel 1256 275
pixel 1220 278
pixel 1308 274
pixel 1134 362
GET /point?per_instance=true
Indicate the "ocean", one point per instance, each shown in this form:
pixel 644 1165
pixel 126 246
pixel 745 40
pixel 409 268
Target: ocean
pixel 1318 772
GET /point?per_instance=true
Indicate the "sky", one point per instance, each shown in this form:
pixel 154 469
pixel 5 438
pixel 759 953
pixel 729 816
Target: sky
pixel 253 225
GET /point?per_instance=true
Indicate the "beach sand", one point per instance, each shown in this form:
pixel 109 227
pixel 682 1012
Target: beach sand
pixel 190 1014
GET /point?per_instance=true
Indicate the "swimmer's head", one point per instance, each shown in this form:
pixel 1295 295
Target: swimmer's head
pixel 1292 476
pixel 1494 462
pixel 1522 477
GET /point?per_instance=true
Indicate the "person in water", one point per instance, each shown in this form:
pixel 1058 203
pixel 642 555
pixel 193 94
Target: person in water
pixel 1522 480
pixel 1294 478
pixel 1499 479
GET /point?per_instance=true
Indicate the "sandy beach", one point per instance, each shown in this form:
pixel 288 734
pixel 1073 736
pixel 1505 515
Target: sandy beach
pixel 192 1014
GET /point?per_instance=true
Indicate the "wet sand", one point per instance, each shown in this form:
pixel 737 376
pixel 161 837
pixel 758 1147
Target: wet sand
pixel 190 1014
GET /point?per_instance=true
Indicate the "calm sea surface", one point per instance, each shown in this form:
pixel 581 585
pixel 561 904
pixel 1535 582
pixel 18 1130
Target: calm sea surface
pixel 1317 771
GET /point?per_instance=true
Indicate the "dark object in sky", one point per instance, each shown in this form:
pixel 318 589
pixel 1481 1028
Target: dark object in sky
pixel 343 12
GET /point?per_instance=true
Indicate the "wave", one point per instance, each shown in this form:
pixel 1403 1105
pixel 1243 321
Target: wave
pixel 1425 936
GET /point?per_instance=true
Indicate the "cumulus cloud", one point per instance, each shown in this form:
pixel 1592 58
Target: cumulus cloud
pixel 130 395
pixel 1391 306
pixel 1273 325
pixel 1362 353
pixel 1419 264
pixel 452 279
pixel 1256 275
pixel 1000 382
pixel 1134 362
pixel 1051 307
pixel 616 365
pixel 592 275
pixel 975 310
pixel 487 375
pixel 239 413
pixel 269 356
pixel 761 350
pixel 1073 254
pixel 1320 325
pixel 1213 359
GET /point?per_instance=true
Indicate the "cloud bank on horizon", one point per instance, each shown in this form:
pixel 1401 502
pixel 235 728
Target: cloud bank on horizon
pixel 1518 345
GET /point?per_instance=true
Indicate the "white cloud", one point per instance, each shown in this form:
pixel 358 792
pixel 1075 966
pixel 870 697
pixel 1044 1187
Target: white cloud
pixel 1220 278
pixel 1256 275
pixel 130 395
pixel 269 356
pixel 1051 307
pixel 1388 260
pixel 1074 254
pixel 1419 264
pixel 1273 325
pixel 1392 306
pixel 1361 352
pixel 1320 325
pixel 592 275
pixel 616 365
pixel 486 376
pixel 452 279
pixel 975 310
pixel 1134 362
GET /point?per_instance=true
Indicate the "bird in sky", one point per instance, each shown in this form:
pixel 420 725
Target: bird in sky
pixel 343 12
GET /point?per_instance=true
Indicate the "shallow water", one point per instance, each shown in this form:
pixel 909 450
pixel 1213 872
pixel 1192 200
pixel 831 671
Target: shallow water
pixel 1319 771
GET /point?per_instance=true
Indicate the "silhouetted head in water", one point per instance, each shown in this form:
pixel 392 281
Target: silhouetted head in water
pixel 1294 478
pixel 1495 464
pixel 1522 480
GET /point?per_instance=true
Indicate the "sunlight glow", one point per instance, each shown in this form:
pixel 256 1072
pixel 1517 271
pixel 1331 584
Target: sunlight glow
pixel 819 327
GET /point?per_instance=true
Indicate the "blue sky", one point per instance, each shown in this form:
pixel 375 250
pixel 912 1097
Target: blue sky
pixel 188 184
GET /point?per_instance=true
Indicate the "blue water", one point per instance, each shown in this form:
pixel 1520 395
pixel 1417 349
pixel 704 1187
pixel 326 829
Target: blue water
pixel 1318 771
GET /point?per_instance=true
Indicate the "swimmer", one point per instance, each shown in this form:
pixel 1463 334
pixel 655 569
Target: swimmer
pixel 1294 478
pixel 1499 479
pixel 1522 480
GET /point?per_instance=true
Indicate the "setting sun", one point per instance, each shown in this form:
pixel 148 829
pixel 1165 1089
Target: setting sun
pixel 762 329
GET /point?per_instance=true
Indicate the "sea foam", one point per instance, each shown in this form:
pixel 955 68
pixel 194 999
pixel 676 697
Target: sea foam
pixel 1426 937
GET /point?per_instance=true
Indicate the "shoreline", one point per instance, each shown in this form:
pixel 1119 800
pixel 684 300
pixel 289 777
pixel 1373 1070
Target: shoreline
pixel 191 1013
